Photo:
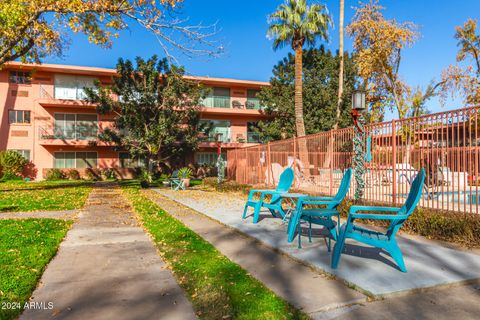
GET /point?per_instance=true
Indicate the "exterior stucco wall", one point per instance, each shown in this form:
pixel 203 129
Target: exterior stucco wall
pixel 39 98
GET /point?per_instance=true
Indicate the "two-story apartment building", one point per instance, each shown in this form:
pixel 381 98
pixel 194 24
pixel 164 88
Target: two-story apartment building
pixel 44 117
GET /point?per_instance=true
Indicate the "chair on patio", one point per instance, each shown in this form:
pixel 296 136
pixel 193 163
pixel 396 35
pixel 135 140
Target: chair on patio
pixel 275 204
pixel 385 241
pixel 319 216
pixel 175 182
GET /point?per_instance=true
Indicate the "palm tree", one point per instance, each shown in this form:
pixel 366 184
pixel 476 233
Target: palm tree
pixel 297 24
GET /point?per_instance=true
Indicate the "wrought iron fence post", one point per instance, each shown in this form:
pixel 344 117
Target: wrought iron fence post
pixel 246 166
pixel 269 164
pixel 394 161
pixel 330 191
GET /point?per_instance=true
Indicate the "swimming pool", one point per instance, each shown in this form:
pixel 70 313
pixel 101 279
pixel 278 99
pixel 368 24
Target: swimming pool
pixel 467 197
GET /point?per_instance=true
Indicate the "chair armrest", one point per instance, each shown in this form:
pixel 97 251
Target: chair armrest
pixel 319 198
pixel 354 209
pixel 263 192
pixel 326 202
pixel 377 216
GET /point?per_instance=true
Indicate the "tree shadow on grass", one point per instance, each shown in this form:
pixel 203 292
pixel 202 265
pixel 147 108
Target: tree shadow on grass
pixel 8 208
pixel 47 187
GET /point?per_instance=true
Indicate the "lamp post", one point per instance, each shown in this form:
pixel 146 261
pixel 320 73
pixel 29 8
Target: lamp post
pixel 358 108
pixel 220 162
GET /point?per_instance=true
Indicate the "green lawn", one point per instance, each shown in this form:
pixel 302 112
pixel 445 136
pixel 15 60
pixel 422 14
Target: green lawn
pixel 217 287
pixel 26 246
pixel 44 195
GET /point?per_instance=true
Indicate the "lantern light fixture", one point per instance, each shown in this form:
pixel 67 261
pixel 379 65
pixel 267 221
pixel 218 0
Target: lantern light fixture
pixel 358 101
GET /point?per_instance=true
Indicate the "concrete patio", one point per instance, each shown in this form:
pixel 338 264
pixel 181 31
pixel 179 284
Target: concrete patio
pixel 429 264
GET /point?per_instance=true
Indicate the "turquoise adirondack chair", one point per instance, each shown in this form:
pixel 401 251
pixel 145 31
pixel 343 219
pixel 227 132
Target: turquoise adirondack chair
pixel 175 182
pixel 385 241
pixel 275 204
pixel 319 216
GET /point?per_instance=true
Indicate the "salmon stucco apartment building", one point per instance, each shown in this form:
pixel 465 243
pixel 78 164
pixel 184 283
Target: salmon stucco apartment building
pixel 45 118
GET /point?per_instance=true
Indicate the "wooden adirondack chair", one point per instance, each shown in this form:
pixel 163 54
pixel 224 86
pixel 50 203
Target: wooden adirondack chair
pixel 385 241
pixel 319 216
pixel 275 204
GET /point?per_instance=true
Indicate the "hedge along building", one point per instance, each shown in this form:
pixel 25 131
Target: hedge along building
pixel 45 118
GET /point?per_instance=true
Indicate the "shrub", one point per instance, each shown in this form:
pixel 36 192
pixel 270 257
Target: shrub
pixel 12 163
pixel 9 176
pixel 73 174
pixel 54 174
pixel 109 174
pixel 185 173
pixel 165 176
pixel 212 182
pixel 146 178
pixel 93 174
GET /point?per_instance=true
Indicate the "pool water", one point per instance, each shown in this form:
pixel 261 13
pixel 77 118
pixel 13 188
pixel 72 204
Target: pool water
pixel 468 197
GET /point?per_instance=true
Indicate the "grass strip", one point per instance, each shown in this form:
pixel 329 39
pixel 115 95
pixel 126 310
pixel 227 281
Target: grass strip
pixel 26 246
pixel 43 196
pixel 217 287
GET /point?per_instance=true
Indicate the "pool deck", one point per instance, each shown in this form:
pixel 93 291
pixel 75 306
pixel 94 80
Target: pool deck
pixel 370 270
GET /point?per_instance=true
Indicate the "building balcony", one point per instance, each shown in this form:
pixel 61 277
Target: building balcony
pixel 228 106
pixel 227 142
pixel 58 100
pixel 82 136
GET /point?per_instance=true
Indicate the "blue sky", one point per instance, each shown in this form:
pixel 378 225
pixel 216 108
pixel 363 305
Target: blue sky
pixel 249 53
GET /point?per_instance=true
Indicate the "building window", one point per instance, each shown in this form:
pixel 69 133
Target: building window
pixel 253 102
pixel 218 130
pixel 20 77
pixel 72 87
pixel 78 160
pixel 18 116
pixel 127 161
pixel 24 152
pixel 208 158
pixel 252 135
pixel 73 126
pixel 218 98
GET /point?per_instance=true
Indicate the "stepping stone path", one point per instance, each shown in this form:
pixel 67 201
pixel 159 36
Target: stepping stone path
pixel 108 268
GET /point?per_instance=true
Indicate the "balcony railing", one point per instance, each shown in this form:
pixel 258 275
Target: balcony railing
pixel 215 138
pixel 79 133
pixel 217 102
pixel 253 137
pixel 254 104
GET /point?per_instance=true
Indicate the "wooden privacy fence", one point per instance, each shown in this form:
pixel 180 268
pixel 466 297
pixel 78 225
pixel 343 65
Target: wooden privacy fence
pixel 446 144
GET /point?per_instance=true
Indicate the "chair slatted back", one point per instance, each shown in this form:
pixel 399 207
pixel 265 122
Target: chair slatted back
pixel 344 186
pixel 410 204
pixel 286 180
pixel 284 184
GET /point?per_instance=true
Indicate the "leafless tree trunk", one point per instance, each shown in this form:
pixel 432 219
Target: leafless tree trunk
pixel 331 143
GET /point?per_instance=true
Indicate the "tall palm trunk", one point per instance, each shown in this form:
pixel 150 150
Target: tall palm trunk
pixel 299 123
pixel 331 143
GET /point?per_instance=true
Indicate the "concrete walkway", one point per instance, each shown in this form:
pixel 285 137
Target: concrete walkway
pixel 428 263
pixel 303 287
pixel 64 215
pixel 107 268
